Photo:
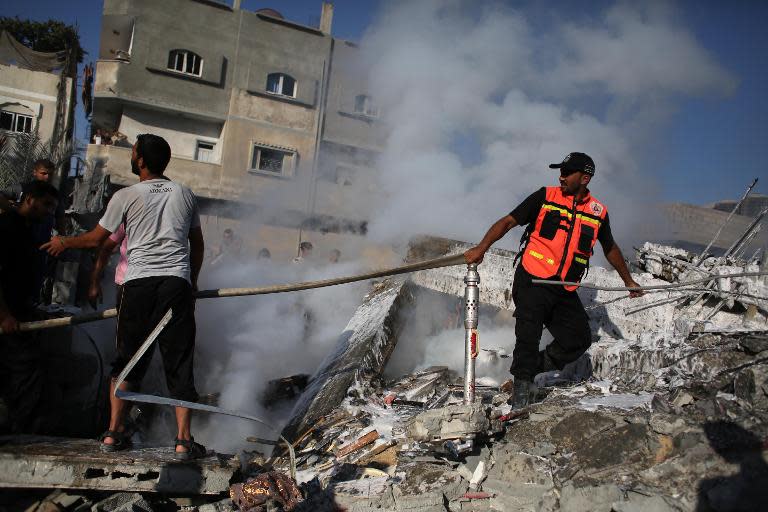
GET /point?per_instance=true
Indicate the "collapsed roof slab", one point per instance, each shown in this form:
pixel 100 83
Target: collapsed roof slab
pixel 496 272
pixel 363 349
pixel 361 352
pixel 63 463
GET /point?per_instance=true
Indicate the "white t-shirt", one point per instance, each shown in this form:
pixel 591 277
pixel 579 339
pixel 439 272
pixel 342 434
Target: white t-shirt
pixel 158 215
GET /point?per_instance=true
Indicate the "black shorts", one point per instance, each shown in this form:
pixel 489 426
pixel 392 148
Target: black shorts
pixel 144 302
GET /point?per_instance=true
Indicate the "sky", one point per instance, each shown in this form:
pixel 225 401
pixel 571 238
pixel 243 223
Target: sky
pixel 703 145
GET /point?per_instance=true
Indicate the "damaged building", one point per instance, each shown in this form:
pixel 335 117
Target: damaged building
pixel 266 117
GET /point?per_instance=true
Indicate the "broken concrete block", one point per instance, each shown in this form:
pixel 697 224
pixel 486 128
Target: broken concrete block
pixel 751 385
pixel 682 398
pixel 622 445
pixel 451 422
pixel 34 461
pixel 573 430
pixel 667 424
pixel 426 487
pixel 361 353
pixel 224 505
pixel 636 502
pixel 542 449
pixel 754 344
pixel 517 479
pixel 123 502
pixel 599 498
pixel 363 495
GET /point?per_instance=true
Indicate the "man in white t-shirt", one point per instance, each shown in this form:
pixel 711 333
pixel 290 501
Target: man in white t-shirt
pixel 165 253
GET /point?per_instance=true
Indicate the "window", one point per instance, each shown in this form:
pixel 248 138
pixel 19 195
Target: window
pixel 272 161
pixel 279 83
pixel 13 122
pixel 185 62
pixel 365 105
pixel 344 175
pixel 204 152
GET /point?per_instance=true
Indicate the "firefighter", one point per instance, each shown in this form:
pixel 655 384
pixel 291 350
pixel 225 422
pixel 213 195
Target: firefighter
pixel 563 225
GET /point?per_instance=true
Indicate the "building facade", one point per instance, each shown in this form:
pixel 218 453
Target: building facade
pixel 36 93
pixel 264 116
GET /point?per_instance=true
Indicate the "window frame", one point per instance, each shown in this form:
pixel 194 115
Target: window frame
pixel 15 117
pixel 185 55
pixel 281 85
pixel 369 107
pixel 211 151
pixel 287 168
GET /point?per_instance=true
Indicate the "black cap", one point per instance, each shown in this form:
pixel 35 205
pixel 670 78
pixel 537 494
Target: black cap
pixel 576 162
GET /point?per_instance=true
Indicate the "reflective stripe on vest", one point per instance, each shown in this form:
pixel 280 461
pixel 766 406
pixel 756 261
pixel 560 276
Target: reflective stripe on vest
pixel 563 237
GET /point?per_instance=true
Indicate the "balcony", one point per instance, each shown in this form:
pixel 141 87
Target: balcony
pixel 105 81
pixel 202 177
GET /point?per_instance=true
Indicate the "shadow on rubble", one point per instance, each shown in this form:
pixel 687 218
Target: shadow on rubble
pixel 598 315
pixel 747 488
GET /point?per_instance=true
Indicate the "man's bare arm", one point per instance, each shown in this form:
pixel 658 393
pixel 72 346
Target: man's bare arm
pixel 616 259
pixel 196 254
pixel 498 230
pixel 89 240
pixel 105 251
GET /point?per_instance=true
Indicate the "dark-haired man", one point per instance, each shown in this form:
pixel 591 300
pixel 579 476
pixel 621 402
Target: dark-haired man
pixel 42 170
pixel 21 374
pixel 564 223
pixel 165 253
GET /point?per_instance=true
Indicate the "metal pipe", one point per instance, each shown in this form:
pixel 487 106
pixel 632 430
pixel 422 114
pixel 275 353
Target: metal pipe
pixel 471 303
pixel 717 235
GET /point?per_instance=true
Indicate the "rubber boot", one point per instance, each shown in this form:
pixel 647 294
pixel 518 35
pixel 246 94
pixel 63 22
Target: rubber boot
pixel 521 394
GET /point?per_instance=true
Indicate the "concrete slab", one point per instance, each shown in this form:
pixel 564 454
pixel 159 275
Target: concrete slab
pixel 54 462
pixel 360 354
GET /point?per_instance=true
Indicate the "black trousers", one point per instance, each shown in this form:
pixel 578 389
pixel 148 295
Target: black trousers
pixel 553 307
pixel 22 380
pixel 143 303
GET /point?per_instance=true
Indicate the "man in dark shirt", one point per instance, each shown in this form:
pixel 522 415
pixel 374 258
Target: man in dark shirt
pixel 21 380
pixel 564 223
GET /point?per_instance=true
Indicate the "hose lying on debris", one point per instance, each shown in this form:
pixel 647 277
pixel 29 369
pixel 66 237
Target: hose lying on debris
pixel 445 261
pixel 161 400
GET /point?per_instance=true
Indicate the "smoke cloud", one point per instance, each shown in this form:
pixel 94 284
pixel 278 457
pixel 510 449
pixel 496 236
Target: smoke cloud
pixel 478 100
pixel 481 98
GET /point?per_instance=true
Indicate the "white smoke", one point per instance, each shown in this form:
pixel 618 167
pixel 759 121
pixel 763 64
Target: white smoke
pixel 244 342
pixel 479 98
pixel 524 90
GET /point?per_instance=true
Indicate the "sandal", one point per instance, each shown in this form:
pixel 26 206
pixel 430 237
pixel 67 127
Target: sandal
pixel 122 441
pixel 194 450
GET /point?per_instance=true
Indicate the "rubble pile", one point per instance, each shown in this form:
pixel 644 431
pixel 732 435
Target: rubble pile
pixel 667 411
pixel 664 413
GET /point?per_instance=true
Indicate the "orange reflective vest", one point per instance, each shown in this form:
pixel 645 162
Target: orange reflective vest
pixel 561 241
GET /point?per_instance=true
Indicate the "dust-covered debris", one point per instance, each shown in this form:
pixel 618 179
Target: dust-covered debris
pixel 638 423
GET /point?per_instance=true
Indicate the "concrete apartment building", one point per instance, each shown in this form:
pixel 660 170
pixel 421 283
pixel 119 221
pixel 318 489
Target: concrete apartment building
pixel 265 119
pixel 32 87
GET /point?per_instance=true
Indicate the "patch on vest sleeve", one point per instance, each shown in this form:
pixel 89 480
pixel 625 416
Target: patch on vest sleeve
pixel 596 208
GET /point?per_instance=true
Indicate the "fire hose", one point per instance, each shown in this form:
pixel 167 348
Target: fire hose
pixel 227 292
pixel 445 261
